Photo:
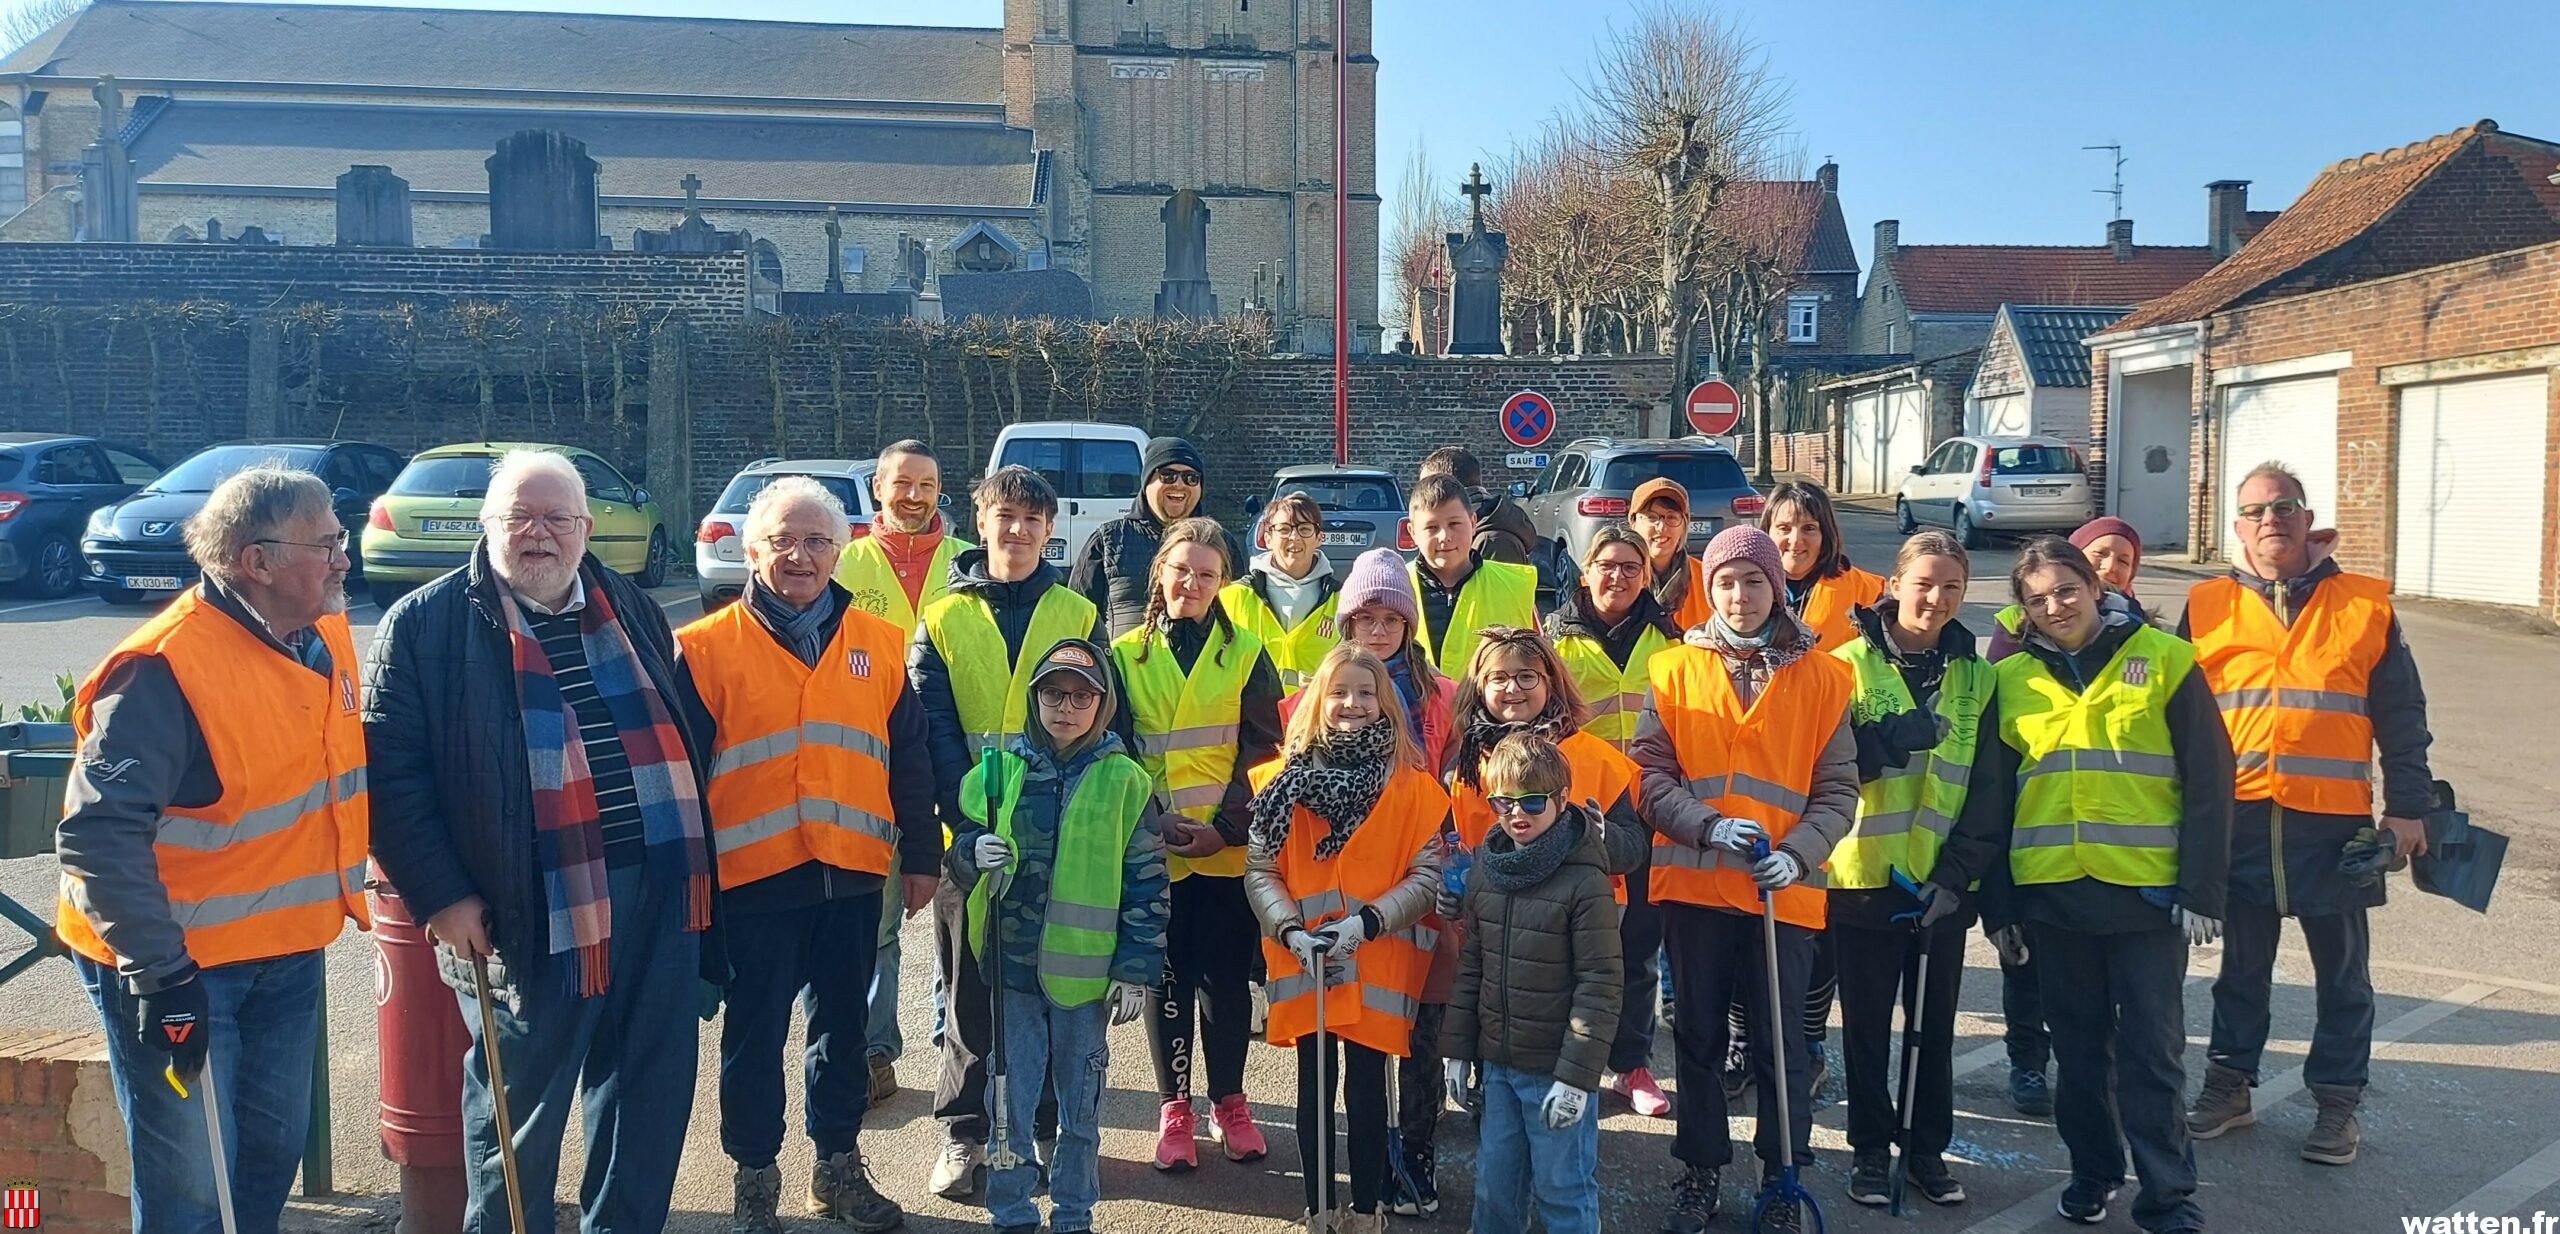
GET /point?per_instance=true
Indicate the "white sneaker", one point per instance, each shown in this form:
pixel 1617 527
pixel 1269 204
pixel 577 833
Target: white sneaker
pixel 955 1173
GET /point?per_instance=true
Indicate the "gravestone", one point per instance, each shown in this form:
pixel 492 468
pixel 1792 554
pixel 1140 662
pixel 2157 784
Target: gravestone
pixel 373 208
pixel 692 234
pixel 110 200
pixel 835 252
pixel 1185 290
pixel 1477 255
pixel 910 265
pixel 254 237
pixel 542 193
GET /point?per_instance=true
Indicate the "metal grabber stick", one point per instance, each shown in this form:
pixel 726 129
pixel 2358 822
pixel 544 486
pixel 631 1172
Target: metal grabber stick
pixel 1913 1026
pixel 1319 1214
pixel 212 1135
pixel 1000 1155
pixel 498 1093
pixel 1786 1190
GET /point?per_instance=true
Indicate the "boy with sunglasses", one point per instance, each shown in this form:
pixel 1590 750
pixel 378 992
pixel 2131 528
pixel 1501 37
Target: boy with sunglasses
pixel 1537 995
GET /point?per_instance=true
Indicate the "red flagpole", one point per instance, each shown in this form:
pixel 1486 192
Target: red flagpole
pixel 1341 245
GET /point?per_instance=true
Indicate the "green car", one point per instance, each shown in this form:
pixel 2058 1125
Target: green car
pixel 428 520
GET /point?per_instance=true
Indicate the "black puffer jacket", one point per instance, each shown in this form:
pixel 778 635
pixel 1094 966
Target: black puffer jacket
pixel 444 743
pixel 1539 975
pixel 1111 570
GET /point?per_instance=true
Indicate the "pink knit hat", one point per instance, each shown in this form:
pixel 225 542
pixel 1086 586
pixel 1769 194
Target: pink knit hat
pixel 1748 545
pixel 1379 577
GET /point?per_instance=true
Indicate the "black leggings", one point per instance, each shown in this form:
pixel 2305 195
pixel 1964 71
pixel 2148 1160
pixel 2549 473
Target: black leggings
pixel 1360 1075
pixel 1211 942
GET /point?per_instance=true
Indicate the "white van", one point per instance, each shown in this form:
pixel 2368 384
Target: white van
pixel 1093 466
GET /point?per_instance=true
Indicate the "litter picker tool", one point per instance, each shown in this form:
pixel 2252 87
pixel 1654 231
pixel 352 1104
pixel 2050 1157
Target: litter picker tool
pixel 1912 1029
pixel 212 1137
pixel 498 1093
pixel 1320 1213
pixel 1786 1190
pixel 1000 1155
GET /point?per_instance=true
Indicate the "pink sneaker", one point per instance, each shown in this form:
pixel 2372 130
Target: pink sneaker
pixel 1175 1149
pixel 1645 1095
pixel 1231 1124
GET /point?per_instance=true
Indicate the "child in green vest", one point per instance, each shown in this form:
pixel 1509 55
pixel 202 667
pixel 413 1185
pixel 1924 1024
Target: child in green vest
pixel 1061 844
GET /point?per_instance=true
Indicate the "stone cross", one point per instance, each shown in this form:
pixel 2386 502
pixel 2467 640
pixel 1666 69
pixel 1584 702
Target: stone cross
pixel 110 108
pixel 1476 188
pixel 835 251
pixel 1476 258
pixel 692 185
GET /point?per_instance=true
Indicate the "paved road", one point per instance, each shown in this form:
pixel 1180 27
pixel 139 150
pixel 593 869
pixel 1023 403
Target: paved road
pixel 2461 1116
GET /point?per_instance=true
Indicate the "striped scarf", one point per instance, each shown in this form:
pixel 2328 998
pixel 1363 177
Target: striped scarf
pixel 568 839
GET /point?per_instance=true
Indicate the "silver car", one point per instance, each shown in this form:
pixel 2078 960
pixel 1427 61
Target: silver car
pixel 1363 509
pixel 1976 485
pixel 720 556
pixel 1589 482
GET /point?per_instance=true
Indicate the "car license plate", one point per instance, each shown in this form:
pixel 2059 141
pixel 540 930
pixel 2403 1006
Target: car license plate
pixel 1702 527
pixel 1054 552
pixel 2040 490
pixel 1345 539
pixel 449 526
pixel 151 582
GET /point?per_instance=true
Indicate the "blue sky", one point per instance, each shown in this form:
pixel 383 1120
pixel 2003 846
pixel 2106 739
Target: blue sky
pixel 1963 118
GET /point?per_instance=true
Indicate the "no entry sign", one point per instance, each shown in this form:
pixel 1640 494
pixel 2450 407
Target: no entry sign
pixel 1714 407
pixel 1528 419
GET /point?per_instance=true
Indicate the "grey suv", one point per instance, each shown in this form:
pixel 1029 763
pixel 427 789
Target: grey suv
pixel 1588 484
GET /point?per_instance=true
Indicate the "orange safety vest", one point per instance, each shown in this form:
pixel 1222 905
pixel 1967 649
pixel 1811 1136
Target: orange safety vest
pixel 1826 610
pixel 1695 606
pixel 800 754
pixel 275 865
pixel 1600 776
pixel 2294 697
pixel 1755 764
pixel 1379 990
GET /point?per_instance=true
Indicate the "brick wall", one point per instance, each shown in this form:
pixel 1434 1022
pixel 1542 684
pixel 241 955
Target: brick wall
pixel 60 1130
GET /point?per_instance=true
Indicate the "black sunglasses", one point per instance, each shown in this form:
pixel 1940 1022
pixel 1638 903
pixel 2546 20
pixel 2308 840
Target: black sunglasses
pixel 1532 803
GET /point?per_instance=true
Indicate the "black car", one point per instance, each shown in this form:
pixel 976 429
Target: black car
pixel 49 482
pixel 136 547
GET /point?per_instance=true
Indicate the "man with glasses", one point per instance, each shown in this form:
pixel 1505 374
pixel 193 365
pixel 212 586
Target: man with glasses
pixel 2313 678
pixel 821 789
pixel 538 803
pixel 213 845
pixel 1111 569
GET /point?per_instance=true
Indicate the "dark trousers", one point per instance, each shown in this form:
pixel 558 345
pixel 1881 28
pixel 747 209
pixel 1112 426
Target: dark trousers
pixel 1715 956
pixel 1204 1005
pixel 2022 1017
pixel 812 956
pixel 1360 1075
pixel 1876 966
pixel 2117 1007
pixel 1640 940
pixel 1418 1092
pixel 1822 985
pixel 2341 955
pixel 968 1029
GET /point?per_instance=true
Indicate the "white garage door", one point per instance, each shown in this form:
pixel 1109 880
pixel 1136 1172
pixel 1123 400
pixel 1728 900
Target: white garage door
pixel 2291 422
pixel 1887 437
pixel 2004 415
pixel 2472 456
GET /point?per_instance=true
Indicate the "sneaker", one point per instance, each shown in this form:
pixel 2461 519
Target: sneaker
pixel 1175 1150
pixel 2029 1092
pixel 2335 1135
pixel 2222 1104
pixel 758 1193
pixel 1411 1189
pixel 884 1079
pixel 1930 1176
pixel 955 1172
pixel 1694 1200
pixel 1871 1178
pixel 1775 1216
pixel 1640 1090
pixel 840 1190
pixel 2085 1200
pixel 1231 1125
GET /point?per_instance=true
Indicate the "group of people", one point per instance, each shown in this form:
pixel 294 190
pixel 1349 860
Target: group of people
pixel 1444 840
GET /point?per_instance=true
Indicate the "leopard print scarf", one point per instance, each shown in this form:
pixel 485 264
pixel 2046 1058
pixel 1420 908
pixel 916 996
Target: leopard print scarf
pixel 1338 780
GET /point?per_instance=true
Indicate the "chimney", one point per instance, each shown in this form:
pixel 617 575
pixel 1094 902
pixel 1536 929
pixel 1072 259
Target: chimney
pixel 2120 238
pixel 2226 211
pixel 1828 176
pixel 1888 240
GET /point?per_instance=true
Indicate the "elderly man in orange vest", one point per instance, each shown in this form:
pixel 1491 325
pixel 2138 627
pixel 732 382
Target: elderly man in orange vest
pixel 213 844
pixel 2313 679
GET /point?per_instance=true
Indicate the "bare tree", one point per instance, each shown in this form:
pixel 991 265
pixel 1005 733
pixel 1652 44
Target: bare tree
pixel 1764 227
pixel 1682 100
pixel 1424 216
pixel 21 22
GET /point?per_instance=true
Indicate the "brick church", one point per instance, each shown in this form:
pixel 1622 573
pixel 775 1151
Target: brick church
pixel 1064 133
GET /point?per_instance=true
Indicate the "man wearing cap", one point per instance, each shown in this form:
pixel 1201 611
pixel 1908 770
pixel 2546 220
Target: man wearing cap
pixel 1659 512
pixel 1111 569
pixel 2313 678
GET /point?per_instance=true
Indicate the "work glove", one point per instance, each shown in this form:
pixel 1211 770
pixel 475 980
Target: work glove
pixel 1908 733
pixel 2202 931
pixel 1453 1078
pixel 1737 835
pixel 991 852
pixel 1127 1000
pixel 1345 936
pixel 1779 869
pixel 1564 1105
pixel 175 1021
pixel 2011 943
pixel 1936 904
pixel 1305 945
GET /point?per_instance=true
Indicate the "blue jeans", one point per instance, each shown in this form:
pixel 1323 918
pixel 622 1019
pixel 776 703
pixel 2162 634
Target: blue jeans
pixel 263 1030
pixel 1067 1047
pixel 629 1052
pixel 1520 1162
pixel 884 1037
pixel 776 959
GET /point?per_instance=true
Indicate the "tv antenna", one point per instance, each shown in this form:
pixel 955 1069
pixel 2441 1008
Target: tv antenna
pixel 2116 191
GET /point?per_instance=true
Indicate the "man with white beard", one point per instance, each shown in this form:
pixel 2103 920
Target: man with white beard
pixel 538 802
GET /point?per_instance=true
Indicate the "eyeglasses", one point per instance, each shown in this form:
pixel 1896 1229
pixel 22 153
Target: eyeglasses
pixel 1293 530
pixel 1068 700
pixel 337 545
pixel 1524 681
pixel 782 546
pixel 515 522
pixel 2281 507
pixel 1178 475
pixel 1527 803
pixel 1625 569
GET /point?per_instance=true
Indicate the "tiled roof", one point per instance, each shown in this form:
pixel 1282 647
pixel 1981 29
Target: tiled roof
pixel 2049 340
pixel 608 53
pixel 1979 278
pixel 641 154
pixel 1801 211
pixel 2347 199
pixel 1060 294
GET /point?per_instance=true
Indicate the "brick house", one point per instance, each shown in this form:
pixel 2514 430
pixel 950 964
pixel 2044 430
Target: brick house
pixel 2391 337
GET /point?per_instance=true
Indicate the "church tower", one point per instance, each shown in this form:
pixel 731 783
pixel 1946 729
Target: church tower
pixel 1135 100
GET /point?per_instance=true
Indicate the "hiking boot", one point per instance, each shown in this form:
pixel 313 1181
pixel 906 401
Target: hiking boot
pixel 1694 1200
pixel 1411 1189
pixel 1773 1215
pixel 1929 1175
pixel 2085 1200
pixel 2029 1092
pixel 1871 1178
pixel 884 1078
pixel 1175 1149
pixel 2222 1104
pixel 1642 1093
pixel 1231 1125
pixel 1360 1223
pixel 758 1193
pixel 2335 1135
pixel 955 1172
pixel 840 1190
